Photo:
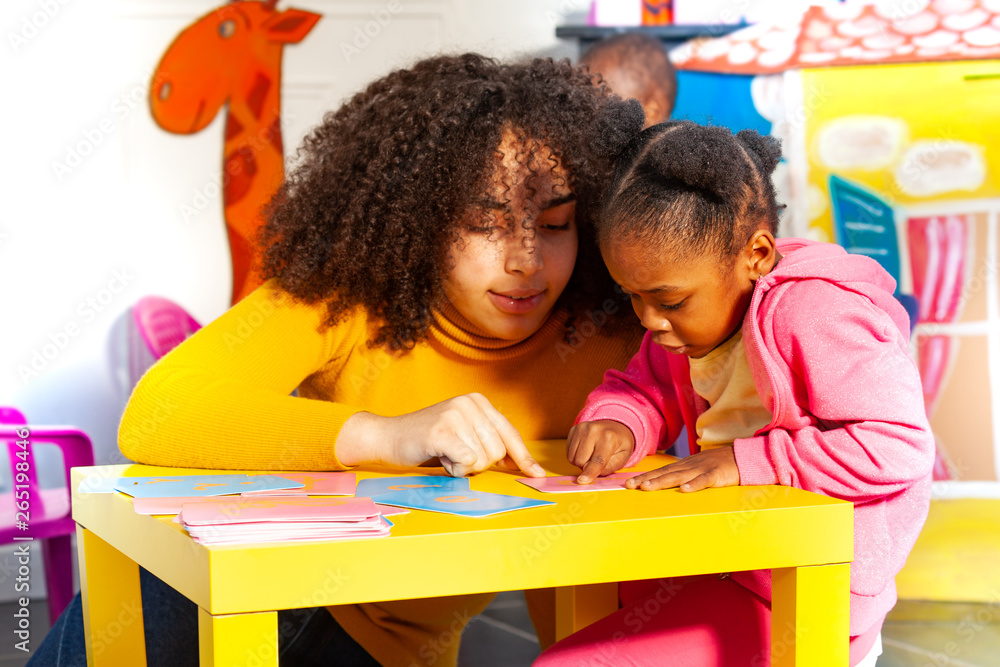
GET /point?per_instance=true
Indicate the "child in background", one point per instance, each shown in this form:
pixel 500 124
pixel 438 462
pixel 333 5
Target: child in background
pixel 431 261
pixel 636 65
pixel 787 360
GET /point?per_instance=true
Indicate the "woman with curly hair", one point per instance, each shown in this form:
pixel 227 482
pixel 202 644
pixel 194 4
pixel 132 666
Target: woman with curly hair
pixel 434 294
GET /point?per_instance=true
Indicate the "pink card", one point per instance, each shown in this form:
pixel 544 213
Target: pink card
pixel 245 510
pixel 173 505
pixel 568 483
pixel 314 484
pixel 389 510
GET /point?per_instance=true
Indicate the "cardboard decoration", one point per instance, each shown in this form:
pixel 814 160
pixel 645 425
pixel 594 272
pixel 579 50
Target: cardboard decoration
pixel 888 130
pixel 232 56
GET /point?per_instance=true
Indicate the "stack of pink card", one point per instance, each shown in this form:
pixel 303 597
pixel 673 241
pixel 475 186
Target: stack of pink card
pixel 281 519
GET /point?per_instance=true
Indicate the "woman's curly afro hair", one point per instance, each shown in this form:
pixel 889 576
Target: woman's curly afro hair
pixel 370 210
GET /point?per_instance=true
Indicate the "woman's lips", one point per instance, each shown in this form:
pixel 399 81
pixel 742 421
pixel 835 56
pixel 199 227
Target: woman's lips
pixel 517 302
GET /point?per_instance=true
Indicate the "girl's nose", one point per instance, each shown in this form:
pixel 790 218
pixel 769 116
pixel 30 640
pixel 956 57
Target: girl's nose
pixel 652 319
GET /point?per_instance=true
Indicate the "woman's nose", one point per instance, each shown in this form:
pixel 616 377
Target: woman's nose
pixel 523 255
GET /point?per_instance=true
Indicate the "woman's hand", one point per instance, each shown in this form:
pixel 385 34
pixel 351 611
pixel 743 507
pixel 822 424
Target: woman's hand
pixel 711 467
pixel 599 448
pixel 466 433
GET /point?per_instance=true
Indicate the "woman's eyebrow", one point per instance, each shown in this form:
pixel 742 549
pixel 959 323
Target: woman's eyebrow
pixel 558 201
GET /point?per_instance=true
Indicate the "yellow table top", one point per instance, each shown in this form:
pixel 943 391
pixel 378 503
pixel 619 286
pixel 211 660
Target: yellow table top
pixel 584 538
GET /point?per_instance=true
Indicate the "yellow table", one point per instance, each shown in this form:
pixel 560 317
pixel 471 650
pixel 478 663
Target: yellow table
pixel 575 545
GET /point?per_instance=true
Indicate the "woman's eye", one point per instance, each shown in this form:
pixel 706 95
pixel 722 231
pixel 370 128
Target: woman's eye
pixel 671 306
pixel 556 228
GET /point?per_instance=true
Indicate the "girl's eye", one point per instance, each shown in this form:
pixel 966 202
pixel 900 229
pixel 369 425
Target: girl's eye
pixel 672 306
pixel 556 228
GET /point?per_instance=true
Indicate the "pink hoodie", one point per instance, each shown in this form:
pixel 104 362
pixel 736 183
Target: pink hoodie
pixel 827 344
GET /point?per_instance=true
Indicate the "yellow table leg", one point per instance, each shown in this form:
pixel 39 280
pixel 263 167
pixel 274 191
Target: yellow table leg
pixel 579 606
pixel 112 604
pixel 235 640
pixel 810 616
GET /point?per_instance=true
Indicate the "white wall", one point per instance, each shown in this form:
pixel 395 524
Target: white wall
pixel 79 245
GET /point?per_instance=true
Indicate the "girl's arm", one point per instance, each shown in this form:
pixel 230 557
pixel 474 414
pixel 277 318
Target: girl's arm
pixel 642 397
pixel 873 438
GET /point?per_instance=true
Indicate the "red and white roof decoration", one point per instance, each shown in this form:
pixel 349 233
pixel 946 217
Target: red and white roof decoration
pixel 852 35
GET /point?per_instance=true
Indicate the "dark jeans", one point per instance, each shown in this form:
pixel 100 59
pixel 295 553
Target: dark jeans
pixel 306 637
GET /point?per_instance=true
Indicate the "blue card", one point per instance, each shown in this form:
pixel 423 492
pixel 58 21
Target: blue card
pixel 99 484
pixel 462 503
pixel 370 488
pixel 201 485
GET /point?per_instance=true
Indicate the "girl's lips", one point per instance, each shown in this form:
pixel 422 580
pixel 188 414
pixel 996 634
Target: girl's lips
pixel 517 302
pixel 672 349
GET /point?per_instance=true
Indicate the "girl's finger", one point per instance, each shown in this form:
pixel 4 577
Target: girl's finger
pixel 702 481
pixel 591 469
pixel 635 482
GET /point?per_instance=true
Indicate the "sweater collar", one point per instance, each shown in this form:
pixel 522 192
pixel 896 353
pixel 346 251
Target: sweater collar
pixel 456 333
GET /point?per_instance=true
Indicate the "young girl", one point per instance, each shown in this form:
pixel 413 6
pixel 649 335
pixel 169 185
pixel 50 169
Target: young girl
pixel 431 260
pixel 788 363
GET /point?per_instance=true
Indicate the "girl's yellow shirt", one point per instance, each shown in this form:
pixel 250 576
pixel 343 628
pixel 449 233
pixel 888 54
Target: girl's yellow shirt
pixel 222 400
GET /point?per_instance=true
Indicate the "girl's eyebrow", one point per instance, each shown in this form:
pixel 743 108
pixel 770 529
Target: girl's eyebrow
pixel 662 289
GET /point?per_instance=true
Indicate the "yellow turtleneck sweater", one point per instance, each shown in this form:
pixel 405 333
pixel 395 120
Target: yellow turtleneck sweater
pixel 221 400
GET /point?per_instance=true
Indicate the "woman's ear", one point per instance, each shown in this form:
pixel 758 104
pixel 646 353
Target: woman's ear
pixel 761 254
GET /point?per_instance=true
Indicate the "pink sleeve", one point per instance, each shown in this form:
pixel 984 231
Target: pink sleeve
pixel 641 397
pixel 872 439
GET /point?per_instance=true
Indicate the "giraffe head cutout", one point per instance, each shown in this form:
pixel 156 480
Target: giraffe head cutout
pixel 232 56
pixel 222 56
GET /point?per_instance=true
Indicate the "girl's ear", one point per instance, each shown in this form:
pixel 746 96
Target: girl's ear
pixel 762 254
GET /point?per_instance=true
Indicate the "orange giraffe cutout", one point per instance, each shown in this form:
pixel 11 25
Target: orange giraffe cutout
pixel 233 55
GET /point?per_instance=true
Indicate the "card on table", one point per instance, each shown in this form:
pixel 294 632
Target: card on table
pixel 379 485
pixel 568 484
pixel 460 502
pixel 96 484
pixel 278 509
pixel 172 505
pixel 314 484
pixel 201 485
pixel 389 510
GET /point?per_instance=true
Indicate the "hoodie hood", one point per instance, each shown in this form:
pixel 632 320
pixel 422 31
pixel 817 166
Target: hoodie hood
pixel 808 260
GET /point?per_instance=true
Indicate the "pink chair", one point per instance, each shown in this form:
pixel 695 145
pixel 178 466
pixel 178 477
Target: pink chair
pixel 48 510
pixel 156 326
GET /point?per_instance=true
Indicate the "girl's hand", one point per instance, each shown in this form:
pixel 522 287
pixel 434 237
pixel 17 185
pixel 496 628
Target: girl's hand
pixel 711 467
pixel 466 434
pixel 599 448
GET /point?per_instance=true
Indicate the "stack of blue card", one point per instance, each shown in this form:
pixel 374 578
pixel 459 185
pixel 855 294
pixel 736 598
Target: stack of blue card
pixel 448 495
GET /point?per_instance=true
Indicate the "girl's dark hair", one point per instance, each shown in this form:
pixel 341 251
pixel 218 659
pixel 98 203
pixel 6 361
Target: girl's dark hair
pixel 688 189
pixel 368 214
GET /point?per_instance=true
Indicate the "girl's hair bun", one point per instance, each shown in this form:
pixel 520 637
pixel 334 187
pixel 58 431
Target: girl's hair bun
pixel 620 121
pixel 766 149
pixel 700 156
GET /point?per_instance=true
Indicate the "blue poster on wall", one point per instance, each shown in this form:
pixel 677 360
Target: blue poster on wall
pixel 718 99
pixel 864 224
